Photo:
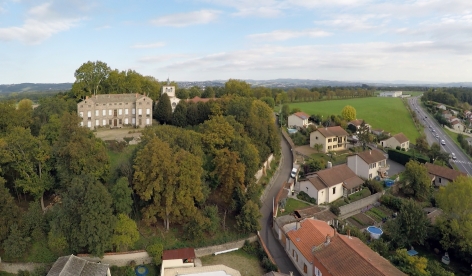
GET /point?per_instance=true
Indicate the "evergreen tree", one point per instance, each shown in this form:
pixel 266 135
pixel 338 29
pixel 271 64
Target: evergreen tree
pixel 163 110
pixel 179 117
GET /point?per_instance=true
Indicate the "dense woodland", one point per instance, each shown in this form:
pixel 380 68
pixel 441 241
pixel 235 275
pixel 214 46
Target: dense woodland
pixel 453 96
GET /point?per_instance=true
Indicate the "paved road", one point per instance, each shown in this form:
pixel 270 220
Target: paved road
pixel 462 161
pixel 275 248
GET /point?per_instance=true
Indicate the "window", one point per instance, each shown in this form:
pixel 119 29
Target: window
pixel 297 257
pixel 305 268
pixel 126 111
pixel 148 111
pixel 335 146
pixel 120 122
pixel 335 139
pixel 370 176
pixel 329 147
pixel 81 114
pixel 133 121
pixel 140 111
pixel 89 114
pixel 126 121
pixel 120 111
pixel 97 112
pixel 334 190
pixel 89 124
pixel 147 121
pixel 329 140
pixel 316 137
pixel 110 112
pixel 104 112
pixel 97 122
pixel 110 122
pixel 317 272
pixel 133 111
pixel 81 123
pixel 104 122
pixel 440 180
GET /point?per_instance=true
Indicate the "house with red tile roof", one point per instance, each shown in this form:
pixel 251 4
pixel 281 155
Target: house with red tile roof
pixel 298 119
pixel 441 176
pixel 397 140
pixel 368 164
pixel 330 184
pixel 331 138
pixel 317 249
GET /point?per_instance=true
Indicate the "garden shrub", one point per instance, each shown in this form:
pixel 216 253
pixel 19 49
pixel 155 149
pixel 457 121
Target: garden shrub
pixel 305 197
pixel 391 202
pixel 335 210
pixel 155 251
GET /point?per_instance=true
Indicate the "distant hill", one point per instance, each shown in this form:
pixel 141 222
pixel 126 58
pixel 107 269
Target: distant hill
pixel 34 87
pixel 275 83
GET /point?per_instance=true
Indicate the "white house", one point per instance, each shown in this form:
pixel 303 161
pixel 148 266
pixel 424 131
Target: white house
pixel 457 125
pixel 330 184
pixel 368 164
pixel 330 138
pixel 397 140
pixel 299 119
pixel 170 91
pixel 393 94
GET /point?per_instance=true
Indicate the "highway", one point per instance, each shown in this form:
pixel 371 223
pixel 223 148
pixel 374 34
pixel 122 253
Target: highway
pixel 462 161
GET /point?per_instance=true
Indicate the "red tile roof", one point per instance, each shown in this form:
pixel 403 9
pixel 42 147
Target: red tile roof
pixel 179 254
pixel 356 122
pixel 343 255
pixel 350 256
pixel 443 172
pixel 197 99
pixel 372 156
pixel 302 115
pixel 310 233
pixel 332 131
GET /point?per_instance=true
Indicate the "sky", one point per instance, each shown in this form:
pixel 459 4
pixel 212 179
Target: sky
pixel 198 40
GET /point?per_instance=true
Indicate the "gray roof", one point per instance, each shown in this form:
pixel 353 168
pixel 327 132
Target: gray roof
pixel 75 266
pixel 114 98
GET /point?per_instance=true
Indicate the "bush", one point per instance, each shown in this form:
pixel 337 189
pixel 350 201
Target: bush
pixel 404 157
pixel 155 251
pixel 391 202
pixel 268 265
pixel 122 271
pixel 374 186
pixel 335 210
pixel 305 197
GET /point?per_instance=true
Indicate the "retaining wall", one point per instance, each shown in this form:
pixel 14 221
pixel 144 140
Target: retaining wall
pixel 264 168
pixel 210 250
pixel 356 206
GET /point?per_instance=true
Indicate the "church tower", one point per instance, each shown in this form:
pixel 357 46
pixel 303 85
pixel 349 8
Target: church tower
pixel 170 90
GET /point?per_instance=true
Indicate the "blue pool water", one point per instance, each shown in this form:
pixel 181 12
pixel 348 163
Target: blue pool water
pixel 292 130
pixel 374 230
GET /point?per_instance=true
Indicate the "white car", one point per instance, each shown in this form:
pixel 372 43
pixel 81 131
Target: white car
pixel 443 142
pixel 453 156
pixel 293 173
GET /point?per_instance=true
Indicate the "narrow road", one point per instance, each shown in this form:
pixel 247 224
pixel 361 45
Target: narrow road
pixel 275 248
pixel 462 161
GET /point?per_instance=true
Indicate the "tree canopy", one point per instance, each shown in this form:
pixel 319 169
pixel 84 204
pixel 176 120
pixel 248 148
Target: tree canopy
pixel 348 113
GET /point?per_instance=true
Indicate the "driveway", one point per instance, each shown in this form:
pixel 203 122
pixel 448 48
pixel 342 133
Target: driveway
pixel 275 248
pixel 395 168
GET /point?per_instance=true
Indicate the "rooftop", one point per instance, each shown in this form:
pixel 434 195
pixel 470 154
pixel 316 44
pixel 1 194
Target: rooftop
pixel 336 175
pixel 111 98
pixel 75 266
pixel 332 131
pixel 443 172
pixel 401 138
pixel 182 253
pixel 372 156
pixel 301 115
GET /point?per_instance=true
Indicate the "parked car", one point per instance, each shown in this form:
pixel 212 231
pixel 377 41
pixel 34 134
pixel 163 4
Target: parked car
pixel 293 173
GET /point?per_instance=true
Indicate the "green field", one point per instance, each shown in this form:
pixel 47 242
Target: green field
pixel 389 114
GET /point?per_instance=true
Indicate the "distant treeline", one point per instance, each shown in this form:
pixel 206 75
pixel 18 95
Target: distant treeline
pixel 452 96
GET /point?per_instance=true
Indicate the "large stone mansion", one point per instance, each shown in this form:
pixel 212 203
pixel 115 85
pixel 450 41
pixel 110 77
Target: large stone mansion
pixel 120 110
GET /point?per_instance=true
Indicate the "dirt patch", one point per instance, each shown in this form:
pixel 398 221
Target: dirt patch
pixel 119 134
pixel 239 260
pixel 361 220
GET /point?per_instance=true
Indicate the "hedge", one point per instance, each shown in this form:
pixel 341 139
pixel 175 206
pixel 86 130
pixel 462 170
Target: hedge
pixel 403 157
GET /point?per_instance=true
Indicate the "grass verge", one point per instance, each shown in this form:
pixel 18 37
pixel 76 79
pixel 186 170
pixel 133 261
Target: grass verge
pixel 292 205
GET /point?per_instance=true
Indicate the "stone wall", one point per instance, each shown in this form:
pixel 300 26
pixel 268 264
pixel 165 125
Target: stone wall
pixel 265 167
pixel 356 206
pixel 210 250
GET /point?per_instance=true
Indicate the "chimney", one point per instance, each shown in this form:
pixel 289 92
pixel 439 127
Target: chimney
pixel 328 240
pixel 349 233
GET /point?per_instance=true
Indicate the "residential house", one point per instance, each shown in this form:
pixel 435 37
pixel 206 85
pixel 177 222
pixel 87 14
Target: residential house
pixel 331 138
pixel 356 124
pixel 397 140
pixel 330 184
pixel 446 114
pixel 457 125
pixel 441 106
pixel 298 119
pixel 452 119
pixel 75 266
pixel 115 111
pixel 467 114
pixel 394 94
pixel 317 249
pixel 368 164
pixel 454 112
pixel 469 140
pixel 442 175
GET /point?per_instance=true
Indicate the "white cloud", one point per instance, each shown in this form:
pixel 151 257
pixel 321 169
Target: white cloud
pixel 103 27
pixel 288 34
pixel 41 23
pixel 355 22
pixel 148 46
pixel 186 19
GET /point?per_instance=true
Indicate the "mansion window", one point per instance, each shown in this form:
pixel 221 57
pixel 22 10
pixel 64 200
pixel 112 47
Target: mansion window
pixel 97 112
pixel 148 111
pixel 126 111
pixel 104 122
pixel 110 112
pixel 104 112
pixel 133 111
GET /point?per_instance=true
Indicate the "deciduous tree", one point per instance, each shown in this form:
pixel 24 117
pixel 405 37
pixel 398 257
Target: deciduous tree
pixel 417 181
pixel 229 173
pixel 248 220
pixel 238 87
pixel 89 78
pixel 348 113
pixel 125 233
pixel 121 194
pixel 179 117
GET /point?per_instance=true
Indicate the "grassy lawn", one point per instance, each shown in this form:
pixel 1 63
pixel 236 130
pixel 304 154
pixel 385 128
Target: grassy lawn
pixel 339 158
pixel 379 112
pixel 292 205
pixel 246 264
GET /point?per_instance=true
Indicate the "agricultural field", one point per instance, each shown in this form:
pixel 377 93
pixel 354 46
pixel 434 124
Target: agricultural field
pixel 389 114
